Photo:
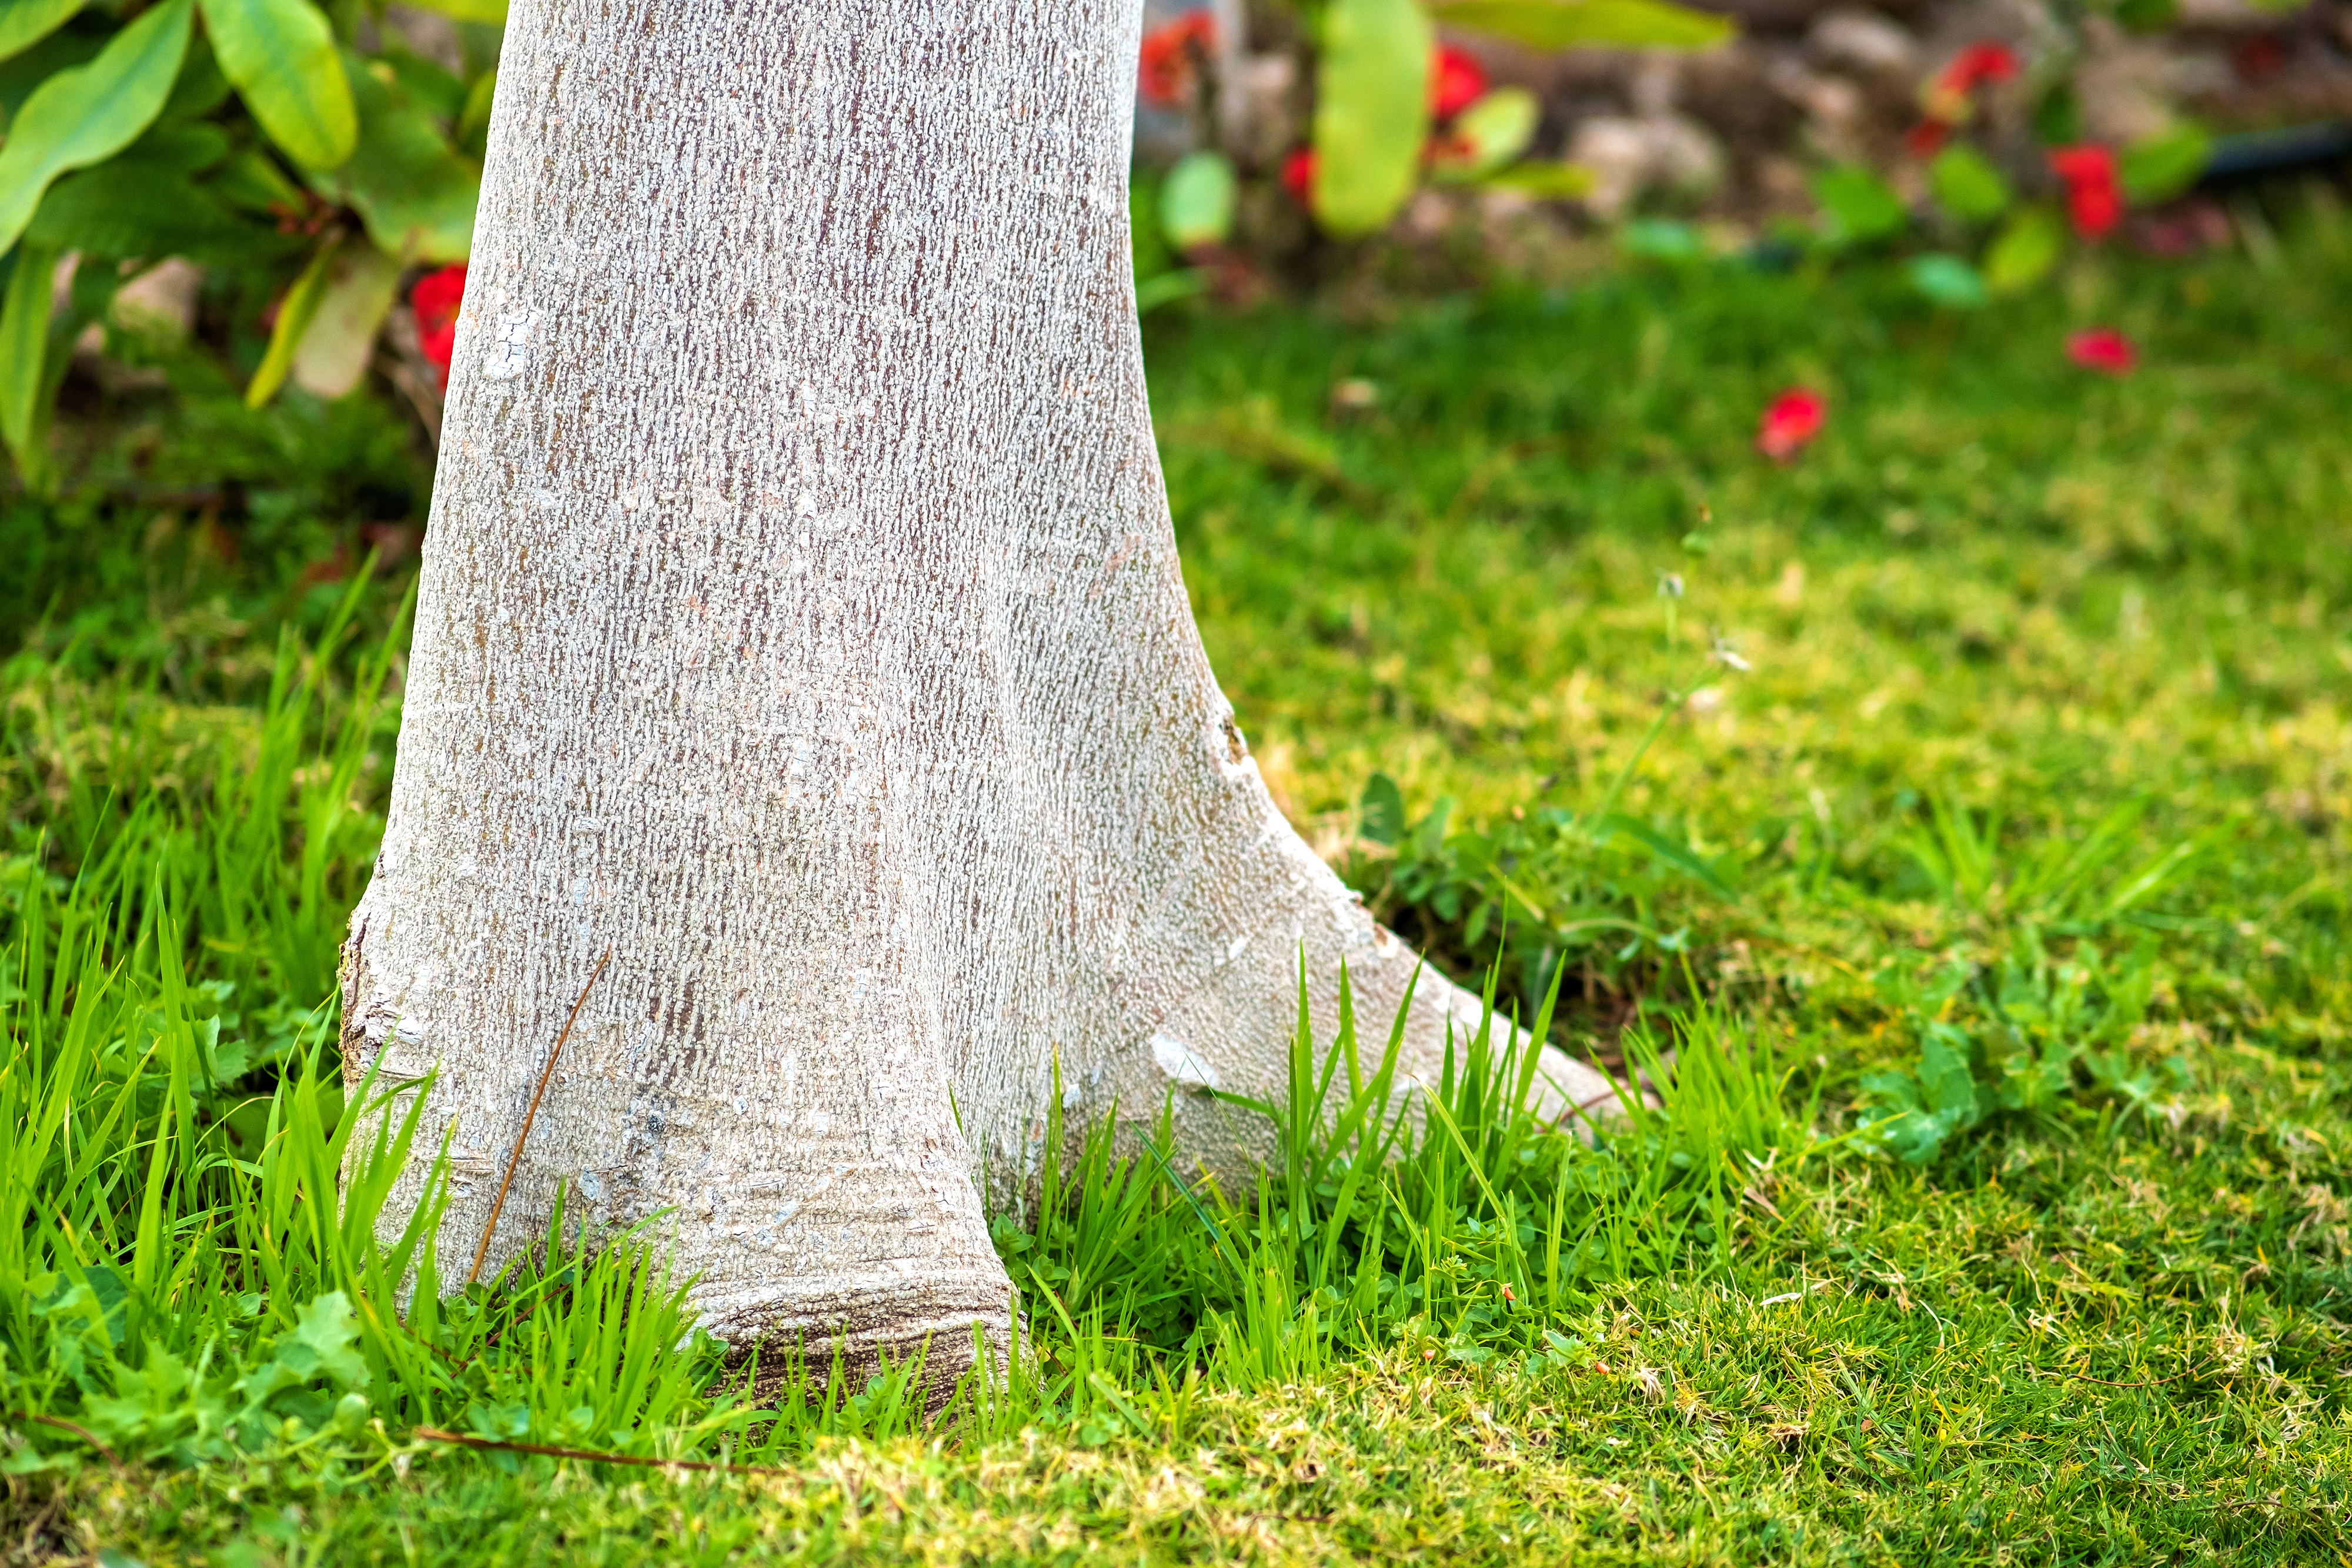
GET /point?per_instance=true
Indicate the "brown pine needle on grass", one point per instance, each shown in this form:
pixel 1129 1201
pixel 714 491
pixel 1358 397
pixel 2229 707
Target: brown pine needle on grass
pixel 490 1226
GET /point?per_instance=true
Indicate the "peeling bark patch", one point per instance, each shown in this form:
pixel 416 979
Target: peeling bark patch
pixel 508 353
pixel 1177 1061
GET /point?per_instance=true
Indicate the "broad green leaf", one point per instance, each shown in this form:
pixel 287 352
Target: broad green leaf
pixel 428 85
pixel 1966 183
pixel 19 77
pixel 473 128
pixel 1551 182
pixel 1948 280
pixel 2148 15
pixel 24 22
pixel 253 182
pixel 1371 112
pixel 88 113
pixel 1857 207
pixel 1196 201
pixel 183 149
pixel 412 190
pixel 2160 167
pixel 1167 287
pixel 200 89
pixel 329 1332
pixel 1661 239
pixel 335 349
pixel 468 10
pixel 294 313
pixel 2024 251
pixel 1383 806
pixel 1489 134
pixel 147 207
pixel 24 348
pixel 280 54
pixel 1567 24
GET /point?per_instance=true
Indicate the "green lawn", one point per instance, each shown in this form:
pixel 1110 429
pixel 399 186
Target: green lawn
pixel 2000 1206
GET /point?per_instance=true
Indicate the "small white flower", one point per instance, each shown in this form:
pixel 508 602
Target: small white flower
pixel 1726 654
pixel 1670 585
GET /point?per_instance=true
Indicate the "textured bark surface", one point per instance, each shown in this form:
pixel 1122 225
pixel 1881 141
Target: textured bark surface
pixel 800 619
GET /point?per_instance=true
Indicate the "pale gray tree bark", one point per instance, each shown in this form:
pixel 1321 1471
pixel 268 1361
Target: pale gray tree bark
pixel 801 622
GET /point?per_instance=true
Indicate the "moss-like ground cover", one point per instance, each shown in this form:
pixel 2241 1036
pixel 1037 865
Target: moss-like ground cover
pixel 1995 913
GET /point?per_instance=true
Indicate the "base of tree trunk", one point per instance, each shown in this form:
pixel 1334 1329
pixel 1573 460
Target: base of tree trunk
pixel 801 624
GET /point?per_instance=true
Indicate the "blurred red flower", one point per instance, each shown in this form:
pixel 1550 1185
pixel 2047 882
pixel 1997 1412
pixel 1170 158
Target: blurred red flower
pixel 1946 97
pixel 435 301
pixel 1926 138
pixel 2095 197
pixel 1171 52
pixel 1298 175
pixel 1794 418
pixel 1979 65
pixel 1455 82
pixel 2103 349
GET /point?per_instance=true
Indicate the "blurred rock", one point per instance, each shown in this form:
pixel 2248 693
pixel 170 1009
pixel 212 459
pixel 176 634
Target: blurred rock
pixel 1864 41
pixel 160 304
pixel 1633 157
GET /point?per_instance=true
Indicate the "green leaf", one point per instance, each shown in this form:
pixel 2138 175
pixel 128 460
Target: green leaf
pixel 412 190
pixel 468 10
pixel 1381 818
pixel 294 313
pixel 200 88
pixel 1196 201
pixel 2024 251
pixel 1167 287
pixel 1547 182
pixel 87 114
pixel 1566 24
pixel 280 54
pixel 1857 207
pixel 1489 134
pixel 24 347
pixel 329 1330
pixel 24 22
pixel 1967 184
pixel 1371 112
pixel 1948 280
pixel 335 349
pixel 428 84
pixel 2146 15
pixel 473 128
pixel 1668 852
pixel 19 77
pixel 251 181
pixel 144 207
pixel 2160 167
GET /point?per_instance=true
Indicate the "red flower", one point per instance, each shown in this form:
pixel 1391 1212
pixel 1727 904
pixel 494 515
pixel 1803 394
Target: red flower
pixel 2103 349
pixel 1926 138
pixel 435 301
pixel 2095 198
pixel 1794 418
pixel 1979 65
pixel 1298 175
pixel 1948 91
pixel 1455 82
pixel 1171 52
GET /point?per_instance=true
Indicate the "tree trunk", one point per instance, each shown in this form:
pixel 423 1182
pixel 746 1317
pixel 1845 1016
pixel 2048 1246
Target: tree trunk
pixel 801 622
